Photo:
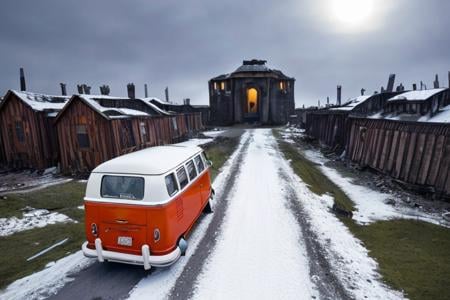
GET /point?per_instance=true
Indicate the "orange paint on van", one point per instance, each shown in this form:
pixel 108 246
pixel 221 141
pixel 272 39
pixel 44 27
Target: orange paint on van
pixel 174 220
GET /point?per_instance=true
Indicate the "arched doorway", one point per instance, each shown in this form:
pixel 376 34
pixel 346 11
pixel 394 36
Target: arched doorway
pixel 252 101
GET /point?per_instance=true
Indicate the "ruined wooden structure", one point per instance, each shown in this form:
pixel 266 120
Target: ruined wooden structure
pixel 93 129
pixel 185 108
pixel 26 127
pixel 417 153
pixel 253 93
pixel 331 125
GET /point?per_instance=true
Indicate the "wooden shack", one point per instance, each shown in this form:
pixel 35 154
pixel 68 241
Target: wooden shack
pixel 93 129
pixel 27 132
pixel 331 125
pixel 411 144
pixel 185 108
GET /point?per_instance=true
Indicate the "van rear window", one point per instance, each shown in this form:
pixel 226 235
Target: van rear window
pixel 122 187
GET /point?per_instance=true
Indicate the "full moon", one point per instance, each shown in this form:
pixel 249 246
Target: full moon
pixel 352 12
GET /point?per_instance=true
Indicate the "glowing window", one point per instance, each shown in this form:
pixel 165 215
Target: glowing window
pixel 252 100
pixel 215 85
pixel 222 85
pixel 282 85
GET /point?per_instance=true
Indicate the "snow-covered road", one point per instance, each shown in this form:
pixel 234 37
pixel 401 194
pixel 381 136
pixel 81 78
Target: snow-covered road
pixel 259 253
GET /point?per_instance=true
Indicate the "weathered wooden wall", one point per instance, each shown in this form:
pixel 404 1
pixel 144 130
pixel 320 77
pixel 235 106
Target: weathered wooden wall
pixel 37 151
pixel 329 128
pixel 416 153
pixel 108 138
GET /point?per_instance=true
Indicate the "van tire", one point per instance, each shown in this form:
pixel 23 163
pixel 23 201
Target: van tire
pixel 209 208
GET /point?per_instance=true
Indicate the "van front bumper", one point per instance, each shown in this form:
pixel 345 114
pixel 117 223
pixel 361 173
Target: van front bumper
pixel 145 259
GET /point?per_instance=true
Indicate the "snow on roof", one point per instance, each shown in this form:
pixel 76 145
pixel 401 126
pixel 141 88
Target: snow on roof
pixel 417 95
pixel 158 160
pixel 92 100
pixel 442 116
pixel 352 103
pixel 41 102
pixel 149 103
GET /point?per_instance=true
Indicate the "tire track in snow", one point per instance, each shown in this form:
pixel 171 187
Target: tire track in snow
pixel 258 253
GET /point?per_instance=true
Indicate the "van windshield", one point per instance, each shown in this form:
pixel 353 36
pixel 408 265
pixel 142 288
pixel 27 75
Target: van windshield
pixel 122 187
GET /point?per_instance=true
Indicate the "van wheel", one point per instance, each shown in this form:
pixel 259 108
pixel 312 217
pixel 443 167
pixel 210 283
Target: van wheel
pixel 209 208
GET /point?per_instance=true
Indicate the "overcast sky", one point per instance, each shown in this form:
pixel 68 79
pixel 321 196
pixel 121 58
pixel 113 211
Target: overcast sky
pixel 182 44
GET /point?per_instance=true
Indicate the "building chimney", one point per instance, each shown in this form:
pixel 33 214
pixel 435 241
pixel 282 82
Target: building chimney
pixel 339 95
pixel 187 101
pixel 87 89
pixel 363 91
pixel 391 82
pixel 104 90
pixel 436 82
pixel 421 85
pixel 318 103
pixel 414 86
pixel 146 90
pixel 23 86
pixel 80 89
pixel 382 90
pixel 328 101
pixel 166 91
pixel 63 89
pixel 131 91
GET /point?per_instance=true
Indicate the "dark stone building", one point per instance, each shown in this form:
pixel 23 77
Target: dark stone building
pixel 253 93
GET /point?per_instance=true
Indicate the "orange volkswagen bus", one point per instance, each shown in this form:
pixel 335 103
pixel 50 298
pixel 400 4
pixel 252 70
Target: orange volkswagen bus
pixel 140 206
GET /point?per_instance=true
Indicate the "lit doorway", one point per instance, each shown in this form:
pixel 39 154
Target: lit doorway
pixel 252 101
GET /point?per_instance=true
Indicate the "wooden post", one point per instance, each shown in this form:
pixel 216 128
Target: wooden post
pixel 131 91
pixel 23 86
pixel 166 91
pixel 391 82
pixel 436 82
pixel 339 95
pixel 146 90
pixel 63 89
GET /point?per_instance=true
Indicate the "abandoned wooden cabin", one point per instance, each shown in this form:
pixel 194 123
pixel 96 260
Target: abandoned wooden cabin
pixel 331 125
pixel 251 94
pixel 2 149
pixel 185 108
pixel 409 140
pixel 26 126
pixel 93 129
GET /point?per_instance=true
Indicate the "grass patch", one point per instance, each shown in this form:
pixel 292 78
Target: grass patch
pixel 312 176
pixel 16 248
pixel 413 256
pixel 218 151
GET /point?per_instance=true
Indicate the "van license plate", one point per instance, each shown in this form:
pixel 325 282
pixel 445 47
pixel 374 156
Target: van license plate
pixel 124 241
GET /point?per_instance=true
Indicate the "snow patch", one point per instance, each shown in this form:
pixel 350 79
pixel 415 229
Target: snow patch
pixel 371 205
pixel 47 282
pixel 32 218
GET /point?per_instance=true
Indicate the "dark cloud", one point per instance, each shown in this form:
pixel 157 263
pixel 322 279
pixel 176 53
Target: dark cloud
pixel 181 44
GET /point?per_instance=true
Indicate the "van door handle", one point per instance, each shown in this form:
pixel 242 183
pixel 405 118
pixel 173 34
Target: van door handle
pixel 121 221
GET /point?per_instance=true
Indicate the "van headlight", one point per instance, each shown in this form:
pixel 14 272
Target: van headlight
pixel 94 229
pixel 156 235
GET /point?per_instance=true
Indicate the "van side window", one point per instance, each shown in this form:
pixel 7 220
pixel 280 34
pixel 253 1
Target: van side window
pixel 122 187
pixel 182 177
pixel 205 159
pixel 191 170
pixel 199 163
pixel 171 184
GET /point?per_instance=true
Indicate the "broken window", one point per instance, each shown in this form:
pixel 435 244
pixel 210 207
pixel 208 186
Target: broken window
pixel 82 136
pixel 19 132
pixel 127 135
pixel 174 124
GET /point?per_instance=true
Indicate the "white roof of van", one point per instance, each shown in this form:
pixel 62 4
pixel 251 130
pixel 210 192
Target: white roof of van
pixel 150 161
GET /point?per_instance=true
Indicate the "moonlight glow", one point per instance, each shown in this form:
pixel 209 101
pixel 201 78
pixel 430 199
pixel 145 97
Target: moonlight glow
pixel 352 12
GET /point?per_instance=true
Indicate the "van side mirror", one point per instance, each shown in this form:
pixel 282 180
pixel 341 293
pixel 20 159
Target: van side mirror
pixel 209 163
